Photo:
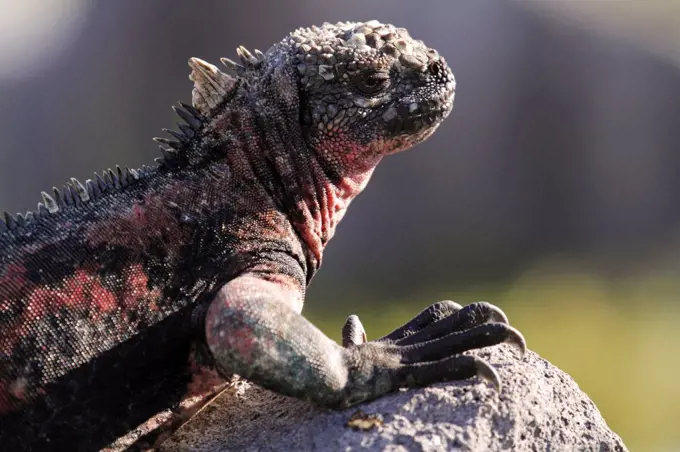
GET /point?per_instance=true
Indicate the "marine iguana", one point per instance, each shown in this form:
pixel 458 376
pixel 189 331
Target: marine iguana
pixel 126 302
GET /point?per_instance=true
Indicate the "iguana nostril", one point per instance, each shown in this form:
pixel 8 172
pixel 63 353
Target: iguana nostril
pixel 435 68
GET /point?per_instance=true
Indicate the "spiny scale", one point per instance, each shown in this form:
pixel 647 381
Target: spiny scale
pixel 92 189
pixel 80 188
pixel 100 182
pixel 72 193
pixel 57 197
pixel 75 192
pixel 247 58
pixel 49 203
pixel 68 195
pixel 189 115
pixel 193 119
pixel 10 221
pixel 42 210
pixel 233 66
pixel 177 135
pixel 177 145
pixel 186 130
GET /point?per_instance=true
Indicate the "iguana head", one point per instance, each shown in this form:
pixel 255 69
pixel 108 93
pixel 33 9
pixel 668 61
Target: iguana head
pixel 368 87
pixel 357 91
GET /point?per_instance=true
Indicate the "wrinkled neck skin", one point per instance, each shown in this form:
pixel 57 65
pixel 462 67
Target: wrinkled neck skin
pixel 303 181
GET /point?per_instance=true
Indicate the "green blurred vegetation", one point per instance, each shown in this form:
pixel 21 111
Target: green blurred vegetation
pixel 619 338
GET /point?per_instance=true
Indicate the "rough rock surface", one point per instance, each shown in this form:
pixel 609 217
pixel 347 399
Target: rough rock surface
pixel 540 408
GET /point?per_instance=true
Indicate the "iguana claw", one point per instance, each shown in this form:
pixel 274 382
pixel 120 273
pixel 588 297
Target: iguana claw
pixel 428 349
pixel 488 373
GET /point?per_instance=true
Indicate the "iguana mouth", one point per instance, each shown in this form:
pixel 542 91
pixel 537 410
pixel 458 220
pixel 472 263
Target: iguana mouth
pixel 410 122
pixel 429 105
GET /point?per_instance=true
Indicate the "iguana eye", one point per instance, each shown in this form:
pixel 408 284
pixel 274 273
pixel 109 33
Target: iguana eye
pixel 371 82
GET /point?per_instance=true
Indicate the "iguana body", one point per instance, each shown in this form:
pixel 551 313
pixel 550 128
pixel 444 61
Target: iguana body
pixel 127 301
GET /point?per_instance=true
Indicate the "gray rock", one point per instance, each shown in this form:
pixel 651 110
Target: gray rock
pixel 540 408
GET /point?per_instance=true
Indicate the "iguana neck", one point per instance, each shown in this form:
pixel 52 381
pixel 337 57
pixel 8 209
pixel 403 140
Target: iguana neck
pixel 270 150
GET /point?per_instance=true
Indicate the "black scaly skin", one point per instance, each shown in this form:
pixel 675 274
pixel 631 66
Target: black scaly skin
pixel 128 301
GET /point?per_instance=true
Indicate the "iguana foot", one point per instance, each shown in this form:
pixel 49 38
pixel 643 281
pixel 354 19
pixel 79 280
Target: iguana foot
pixel 253 329
pixel 427 349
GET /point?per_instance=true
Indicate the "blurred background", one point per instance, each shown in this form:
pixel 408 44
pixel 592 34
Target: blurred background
pixel 552 190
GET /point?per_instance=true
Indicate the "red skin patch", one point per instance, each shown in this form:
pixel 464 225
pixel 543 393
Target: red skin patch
pixel 241 340
pixel 132 229
pixel 83 292
pixel 238 338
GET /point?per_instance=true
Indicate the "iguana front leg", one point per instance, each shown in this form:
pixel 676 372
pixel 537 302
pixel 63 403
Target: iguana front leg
pixel 254 329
